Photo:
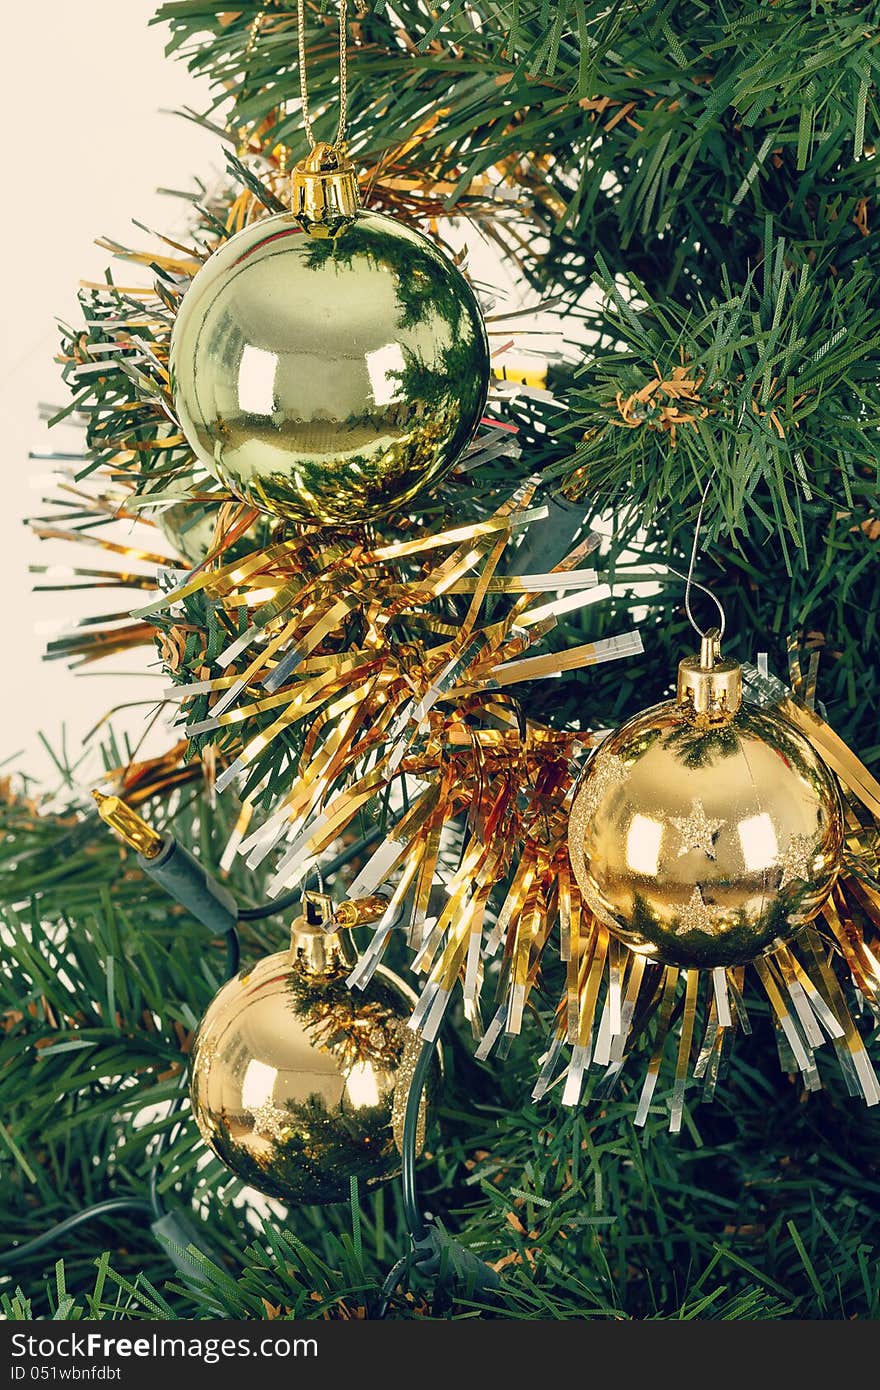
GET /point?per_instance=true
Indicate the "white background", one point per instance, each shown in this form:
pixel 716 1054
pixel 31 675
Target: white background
pixel 90 138
pixel 86 147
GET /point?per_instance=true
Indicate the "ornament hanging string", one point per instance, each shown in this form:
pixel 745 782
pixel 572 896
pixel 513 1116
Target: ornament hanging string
pixel 343 74
pixel 254 31
pixel 691 583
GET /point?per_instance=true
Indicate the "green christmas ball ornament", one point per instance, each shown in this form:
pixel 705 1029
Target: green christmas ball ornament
pixel 329 364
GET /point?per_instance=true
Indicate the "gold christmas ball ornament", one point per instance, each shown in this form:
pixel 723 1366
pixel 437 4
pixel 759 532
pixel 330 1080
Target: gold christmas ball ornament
pixel 706 829
pixel 298 1084
pixel 330 363
pixel 190 529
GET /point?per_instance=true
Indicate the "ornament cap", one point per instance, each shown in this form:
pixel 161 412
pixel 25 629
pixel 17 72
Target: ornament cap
pixel 324 194
pixel 709 688
pixel 316 944
pixel 320 936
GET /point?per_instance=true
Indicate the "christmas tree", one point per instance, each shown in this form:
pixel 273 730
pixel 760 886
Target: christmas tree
pixel 389 710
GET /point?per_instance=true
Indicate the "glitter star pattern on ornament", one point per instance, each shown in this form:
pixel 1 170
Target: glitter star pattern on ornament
pixel 334 1063
pixel 696 916
pixel 695 935
pixel 269 1120
pixel 797 860
pixel 696 831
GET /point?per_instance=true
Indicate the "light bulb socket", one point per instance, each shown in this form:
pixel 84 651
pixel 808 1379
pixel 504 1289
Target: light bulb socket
pixel 324 194
pixel 709 688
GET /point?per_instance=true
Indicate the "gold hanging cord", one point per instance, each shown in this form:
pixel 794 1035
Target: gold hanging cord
pixel 324 191
pixel 339 142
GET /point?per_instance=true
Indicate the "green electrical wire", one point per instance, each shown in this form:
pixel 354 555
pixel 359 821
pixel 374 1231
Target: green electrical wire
pixel 71 1223
pixel 412 1213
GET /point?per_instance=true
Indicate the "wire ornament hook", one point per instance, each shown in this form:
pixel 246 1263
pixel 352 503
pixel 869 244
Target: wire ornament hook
pixel 691 583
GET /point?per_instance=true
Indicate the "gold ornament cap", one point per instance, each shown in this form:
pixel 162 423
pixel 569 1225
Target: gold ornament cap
pixel 316 944
pixel 709 688
pixel 324 193
pixel 320 937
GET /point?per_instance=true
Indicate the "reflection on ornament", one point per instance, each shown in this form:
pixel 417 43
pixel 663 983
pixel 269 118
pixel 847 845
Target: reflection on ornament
pixel 329 379
pixel 643 841
pixel 296 1084
pixel 675 830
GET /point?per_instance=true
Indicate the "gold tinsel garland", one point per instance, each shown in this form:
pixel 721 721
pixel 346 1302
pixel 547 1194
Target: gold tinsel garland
pixel 431 707
pixel 437 714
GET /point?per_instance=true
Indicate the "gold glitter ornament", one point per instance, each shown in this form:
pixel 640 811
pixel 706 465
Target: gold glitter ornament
pixel 330 363
pixel 706 830
pixel 297 1084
